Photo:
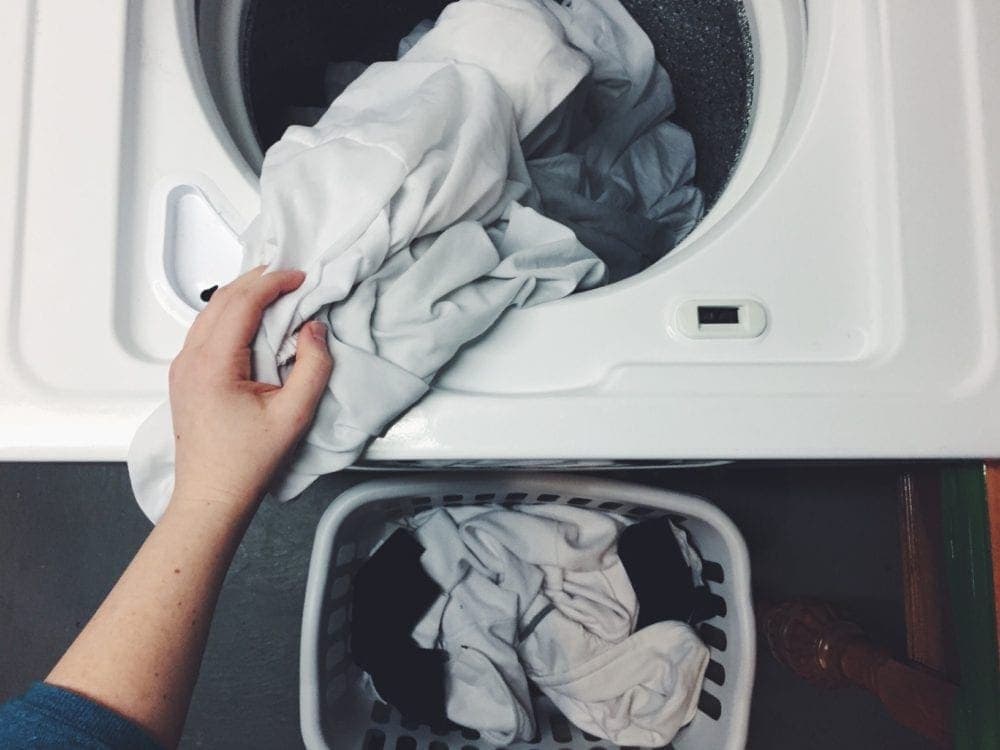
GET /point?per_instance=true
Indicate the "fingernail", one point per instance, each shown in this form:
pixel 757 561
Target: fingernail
pixel 318 331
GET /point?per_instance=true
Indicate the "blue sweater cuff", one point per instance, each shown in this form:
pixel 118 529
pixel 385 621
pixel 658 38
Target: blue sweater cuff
pixel 50 716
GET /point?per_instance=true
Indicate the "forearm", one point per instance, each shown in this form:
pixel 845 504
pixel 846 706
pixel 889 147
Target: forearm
pixel 140 653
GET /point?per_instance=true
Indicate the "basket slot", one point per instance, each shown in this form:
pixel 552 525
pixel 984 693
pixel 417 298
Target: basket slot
pixel 712 571
pixel 345 554
pixel 374 740
pixel 406 743
pixel 713 636
pixel 718 605
pixel 639 511
pixel 335 655
pixel 335 623
pixel 709 705
pixel 547 498
pixel 580 502
pixel 381 713
pixel 716 673
pixel 339 587
pixel 559 724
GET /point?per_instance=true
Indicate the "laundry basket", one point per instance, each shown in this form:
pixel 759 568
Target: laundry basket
pixel 336 711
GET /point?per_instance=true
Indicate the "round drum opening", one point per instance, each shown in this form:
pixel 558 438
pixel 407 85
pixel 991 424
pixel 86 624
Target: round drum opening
pixel 705 46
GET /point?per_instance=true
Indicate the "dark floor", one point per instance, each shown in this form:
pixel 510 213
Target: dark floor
pixel 67 530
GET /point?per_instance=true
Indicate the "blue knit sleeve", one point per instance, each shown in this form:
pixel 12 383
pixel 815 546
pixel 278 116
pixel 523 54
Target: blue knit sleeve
pixel 49 717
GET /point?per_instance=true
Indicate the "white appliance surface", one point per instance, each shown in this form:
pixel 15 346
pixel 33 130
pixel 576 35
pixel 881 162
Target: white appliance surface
pixel 858 237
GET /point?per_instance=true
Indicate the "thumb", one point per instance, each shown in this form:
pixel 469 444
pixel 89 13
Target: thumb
pixel 310 374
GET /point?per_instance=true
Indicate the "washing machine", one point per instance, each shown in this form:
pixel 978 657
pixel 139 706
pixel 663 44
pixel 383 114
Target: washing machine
pixel 838 300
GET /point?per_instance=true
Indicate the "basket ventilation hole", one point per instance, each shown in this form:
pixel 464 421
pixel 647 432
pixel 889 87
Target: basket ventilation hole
pixel 334 655
pixel 590 737
pixel 437 745
pixel 560 728
pixel 485 497
pixel 609 506
pixel 339 587
pixel 547 498
pixel 452 499
pixel 380 712
pixel 710 706
pixel 410 724
pixel 406 743
pixel 336 620
pixel 718 605
pixel 716 673
pixel 712 571
pixel 470 734
pixel 579 501
pixel 516 497
pixel 639 511
pixel 421 501
pixel 713 636
pixel 346 553
pixel 374 740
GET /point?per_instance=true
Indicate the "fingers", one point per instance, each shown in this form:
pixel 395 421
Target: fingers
pixel 310 374
pixel 237 323
pixel 206 319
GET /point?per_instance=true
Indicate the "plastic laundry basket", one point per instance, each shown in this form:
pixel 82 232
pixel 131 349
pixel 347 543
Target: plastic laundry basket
pixel 337 713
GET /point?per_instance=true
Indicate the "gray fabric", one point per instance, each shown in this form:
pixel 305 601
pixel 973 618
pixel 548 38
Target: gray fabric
pixel 608 164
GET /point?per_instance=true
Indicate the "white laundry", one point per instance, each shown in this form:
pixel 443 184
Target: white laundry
pixel 411 208
pixel 639 692
pixel 521 43
pixel 422 150
pixel 539 593
pixel 606 162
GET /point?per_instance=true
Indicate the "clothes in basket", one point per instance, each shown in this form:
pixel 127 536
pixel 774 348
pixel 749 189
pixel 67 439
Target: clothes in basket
pixel 539 596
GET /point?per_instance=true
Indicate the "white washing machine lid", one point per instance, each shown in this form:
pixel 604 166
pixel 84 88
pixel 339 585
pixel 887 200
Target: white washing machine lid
pixel 859 234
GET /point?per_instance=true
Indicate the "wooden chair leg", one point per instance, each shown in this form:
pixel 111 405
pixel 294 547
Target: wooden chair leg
pixel 820 646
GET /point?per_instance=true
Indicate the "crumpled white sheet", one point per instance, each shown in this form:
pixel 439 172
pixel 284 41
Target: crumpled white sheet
pixel 538 593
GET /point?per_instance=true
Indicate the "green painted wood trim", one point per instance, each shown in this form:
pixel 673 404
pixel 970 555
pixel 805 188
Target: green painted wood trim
pixel 969 567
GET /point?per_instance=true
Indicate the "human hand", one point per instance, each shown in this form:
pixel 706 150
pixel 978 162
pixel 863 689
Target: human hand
pixel 230 432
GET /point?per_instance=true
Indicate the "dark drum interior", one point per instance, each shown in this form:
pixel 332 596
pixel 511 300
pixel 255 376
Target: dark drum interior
pixel 704 45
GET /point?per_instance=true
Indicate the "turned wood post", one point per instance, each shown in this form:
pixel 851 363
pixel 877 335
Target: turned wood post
pixel 812 640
